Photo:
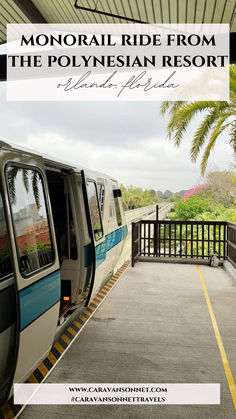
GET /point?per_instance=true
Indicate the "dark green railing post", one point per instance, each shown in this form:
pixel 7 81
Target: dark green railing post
pixel 155 232
pixel 133 245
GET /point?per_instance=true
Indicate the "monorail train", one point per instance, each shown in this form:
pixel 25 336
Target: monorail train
pixel 62 230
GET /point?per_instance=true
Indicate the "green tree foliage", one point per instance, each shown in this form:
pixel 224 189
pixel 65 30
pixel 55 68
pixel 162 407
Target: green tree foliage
pixel 179 195
pixel 218 213
pixel 220 188
pixel 234 214
pixel 191 207
pixel 167 194
pixel 134 197
pixel 219 193
pixel 170 196
pixel 218 117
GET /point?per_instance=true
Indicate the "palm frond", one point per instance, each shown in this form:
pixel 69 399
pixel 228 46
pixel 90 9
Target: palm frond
pixel 11 177
pixel 182 117
pixel 181 113
pixel 219 128
pixel 216 114
pixel 164 107
pixel 25 179
pixel 232 73
pixel 171 106
pixel 233 136
pixel 35 179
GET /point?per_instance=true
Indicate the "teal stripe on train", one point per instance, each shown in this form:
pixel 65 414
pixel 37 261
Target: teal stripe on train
pixel 111 240
pixel 38 298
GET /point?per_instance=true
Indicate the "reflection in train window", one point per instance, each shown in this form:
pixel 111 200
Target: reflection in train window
pixel 101 196
pixel 112 205
pixel 117 205
pixel 5 255
pixel 118 212
pixel 94 210
pixel 30 219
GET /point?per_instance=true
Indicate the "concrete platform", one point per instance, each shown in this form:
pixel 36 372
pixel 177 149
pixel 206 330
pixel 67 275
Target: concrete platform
pixel 154 327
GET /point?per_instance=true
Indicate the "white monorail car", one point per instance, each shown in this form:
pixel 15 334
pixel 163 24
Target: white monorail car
pixel 62 230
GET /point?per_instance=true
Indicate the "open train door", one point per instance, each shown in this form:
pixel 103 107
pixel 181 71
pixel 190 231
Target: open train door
pixel 30 285
pixel 8 310
pixel 73 233
pixel 94 220
pixel 89 249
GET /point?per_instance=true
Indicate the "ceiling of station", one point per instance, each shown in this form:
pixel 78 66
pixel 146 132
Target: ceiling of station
pixel 9 13
pixel 100 11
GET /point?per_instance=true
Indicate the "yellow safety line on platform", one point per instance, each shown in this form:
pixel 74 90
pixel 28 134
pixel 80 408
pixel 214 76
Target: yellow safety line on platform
pixel 224 358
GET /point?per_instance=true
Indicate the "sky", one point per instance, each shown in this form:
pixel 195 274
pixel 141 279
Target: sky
pixel 127 140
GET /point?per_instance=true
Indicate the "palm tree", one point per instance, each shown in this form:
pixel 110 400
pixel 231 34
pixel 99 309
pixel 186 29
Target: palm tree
pixel 218 118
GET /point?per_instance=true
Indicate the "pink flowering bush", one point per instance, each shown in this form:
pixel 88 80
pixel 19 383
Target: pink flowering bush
pixel 192 191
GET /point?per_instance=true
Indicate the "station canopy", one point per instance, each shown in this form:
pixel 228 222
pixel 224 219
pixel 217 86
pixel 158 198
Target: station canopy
pixel 117 11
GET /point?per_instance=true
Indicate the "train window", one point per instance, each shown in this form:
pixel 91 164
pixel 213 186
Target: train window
pixel 101 196
pixel 112 205
pixel 94 210
pixel 30 219
pixel 5 254
pixel 117 205
pixel 118 212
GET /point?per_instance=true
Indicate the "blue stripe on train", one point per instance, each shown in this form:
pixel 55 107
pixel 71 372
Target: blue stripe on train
pixel 111 240
pixel 38 298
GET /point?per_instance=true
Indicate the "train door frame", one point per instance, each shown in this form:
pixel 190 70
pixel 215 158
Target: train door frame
pixel 99 244
pixel 31 349
pixel 8 322
pixel 75 272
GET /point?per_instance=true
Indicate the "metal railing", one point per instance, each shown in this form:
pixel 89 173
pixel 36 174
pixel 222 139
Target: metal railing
pixel 35 260
pixel 232 243
pixel 186 240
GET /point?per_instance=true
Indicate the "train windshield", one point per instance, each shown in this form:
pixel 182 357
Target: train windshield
pixel 5 253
